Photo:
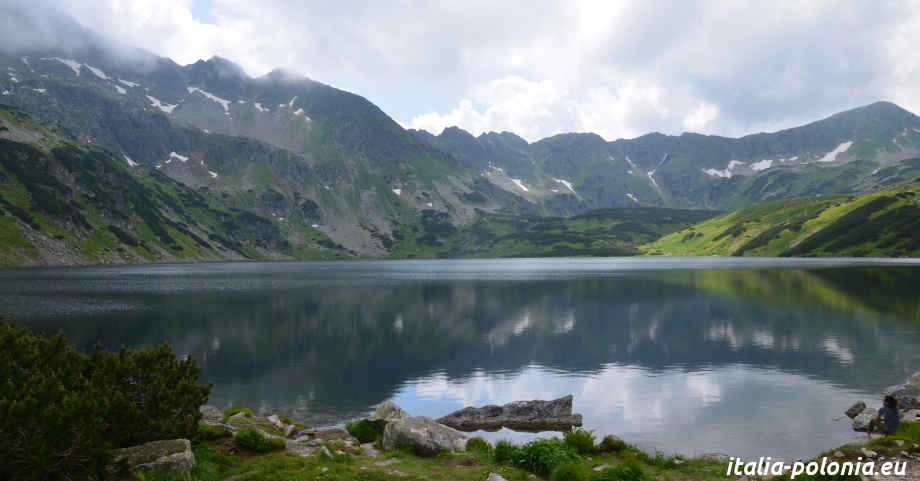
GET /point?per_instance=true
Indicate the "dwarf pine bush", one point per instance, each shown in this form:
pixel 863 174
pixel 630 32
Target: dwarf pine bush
pixel 63 411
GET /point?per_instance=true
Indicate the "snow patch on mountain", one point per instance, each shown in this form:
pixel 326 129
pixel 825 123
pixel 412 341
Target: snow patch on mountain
pixel 258 106
pixel 300 113
pixel 762 165
pixel 129 161
pixel 291 103
pixel 41 91
pixel 634 167
pixel 128 83
pixel 175 156
pixel 832 155
pixel 651 177
pixel 73 64
pixel 520 184
pixel 208 95
pixel 97 72
pixel 397 191
pixel 13 78
pixel 725 173
pixel 213 174
pixel 166 108
pixel 633 198
pixel 120 89
pixel 567 184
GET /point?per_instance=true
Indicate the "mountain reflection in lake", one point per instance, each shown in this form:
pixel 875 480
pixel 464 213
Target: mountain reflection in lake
pixel 746 357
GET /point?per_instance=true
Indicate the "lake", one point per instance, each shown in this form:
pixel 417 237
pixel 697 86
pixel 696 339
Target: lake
pixel 748 357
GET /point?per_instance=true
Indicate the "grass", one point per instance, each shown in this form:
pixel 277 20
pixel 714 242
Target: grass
pixel 234 410
pixel 254 441
pixel 216 460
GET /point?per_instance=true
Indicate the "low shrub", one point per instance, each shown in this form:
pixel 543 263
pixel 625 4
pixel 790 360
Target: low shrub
pixel 568 472
pixel 285 419
pixel 254 441
pixel 611 444
pixel 207 432
pixel 628 470
pixel 365 431
pixel 478 445
pixel 541 456
pixel 504 452
pixel 62 410
pixel 580 441
pixel 234 410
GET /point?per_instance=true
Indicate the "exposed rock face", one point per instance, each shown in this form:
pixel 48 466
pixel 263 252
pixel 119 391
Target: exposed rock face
pixel 855 410
pixel 555 415
pixel 426 436
pixel 386 413
pixel 172 456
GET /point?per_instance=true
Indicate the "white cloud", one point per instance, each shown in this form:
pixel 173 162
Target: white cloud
pixel 699 118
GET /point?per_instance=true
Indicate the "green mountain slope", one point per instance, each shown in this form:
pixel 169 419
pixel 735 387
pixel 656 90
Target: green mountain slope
pixel 605 232
pixel 878 224
pixel 65 202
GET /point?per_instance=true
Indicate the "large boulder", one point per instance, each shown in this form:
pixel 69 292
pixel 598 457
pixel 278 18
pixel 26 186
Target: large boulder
pixel 861 421
pixel 910 416
pixel 907 394
pixel 387 412
pixel 555 415
pixel 171 456
pixel 210 414
pixel 424 434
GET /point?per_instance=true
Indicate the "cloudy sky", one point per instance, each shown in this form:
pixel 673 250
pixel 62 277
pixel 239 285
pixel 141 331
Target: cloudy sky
pixel 541 67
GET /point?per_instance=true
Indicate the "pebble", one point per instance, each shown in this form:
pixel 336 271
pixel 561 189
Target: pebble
pixel 387 462
pixel 601 467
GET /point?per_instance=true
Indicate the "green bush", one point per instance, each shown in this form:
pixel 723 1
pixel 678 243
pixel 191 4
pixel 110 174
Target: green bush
pixel 254 441
pixel 207 432
pixel 234 410
pixel 628 470
pixel 62 411
pixel 478 445
pixel 541 456
pixel 568 472
pixel 285 419
pixel 365 431
pixel 611 444
pixel 504 452
pixel 580 441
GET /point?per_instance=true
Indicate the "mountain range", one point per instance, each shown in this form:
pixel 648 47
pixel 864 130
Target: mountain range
pixel 167 162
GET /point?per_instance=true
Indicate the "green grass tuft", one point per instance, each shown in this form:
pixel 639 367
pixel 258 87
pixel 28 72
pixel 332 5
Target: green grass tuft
pixel 255 441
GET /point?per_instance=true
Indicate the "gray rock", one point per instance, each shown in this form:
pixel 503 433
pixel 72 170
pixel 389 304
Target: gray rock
pixel 387 462
pixel 715 457
pixel 324 452
pixel 495 477
pixel 910 416
pixel 861 421
pixel 387 412
pixel 276 421
pixel 211 414
pixel 868 453
pixel 555 415
pixel 171 456
pixel 601 467
pixel 855 410
pixel 907 394
pixel 329 433
pixel 426 436
pixel 839 454
pixel 369 450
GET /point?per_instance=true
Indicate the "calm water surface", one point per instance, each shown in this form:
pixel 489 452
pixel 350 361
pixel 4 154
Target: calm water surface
pixel 751 357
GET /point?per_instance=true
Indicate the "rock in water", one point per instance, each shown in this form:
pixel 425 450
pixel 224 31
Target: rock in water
pixel 426 436
pixel 172 456
pixel 855 410
pixel 555 415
